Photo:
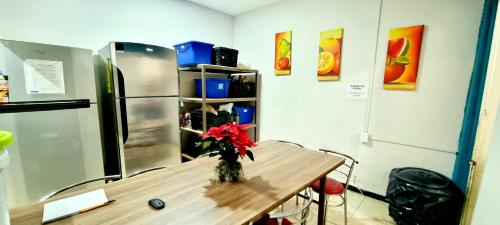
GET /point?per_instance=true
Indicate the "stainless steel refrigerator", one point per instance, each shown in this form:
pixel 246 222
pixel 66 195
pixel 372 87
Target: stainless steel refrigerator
pixel 138 106
pixel 54 118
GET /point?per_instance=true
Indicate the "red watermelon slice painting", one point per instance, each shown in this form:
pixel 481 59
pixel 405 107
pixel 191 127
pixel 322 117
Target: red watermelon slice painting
pixel 403 55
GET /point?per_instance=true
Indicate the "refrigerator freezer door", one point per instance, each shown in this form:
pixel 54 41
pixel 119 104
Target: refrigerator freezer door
pixel 52 149
pixel 77 70
pixel 147 70
pixel 153 133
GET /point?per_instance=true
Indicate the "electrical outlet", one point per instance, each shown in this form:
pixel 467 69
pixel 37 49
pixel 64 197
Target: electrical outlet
pixel 364 137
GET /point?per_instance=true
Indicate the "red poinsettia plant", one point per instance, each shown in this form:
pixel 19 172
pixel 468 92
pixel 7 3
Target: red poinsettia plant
pixel 230 141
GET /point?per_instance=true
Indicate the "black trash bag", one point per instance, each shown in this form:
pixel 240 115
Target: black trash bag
pixel 423 197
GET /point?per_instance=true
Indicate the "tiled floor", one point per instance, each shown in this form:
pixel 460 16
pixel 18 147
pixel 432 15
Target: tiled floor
pixel 360 211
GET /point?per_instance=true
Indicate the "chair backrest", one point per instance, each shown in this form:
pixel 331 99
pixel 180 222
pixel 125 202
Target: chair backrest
pixel 346 168
pixel 146 170
pixel 106 178
pixel 292 143
pixel 302 210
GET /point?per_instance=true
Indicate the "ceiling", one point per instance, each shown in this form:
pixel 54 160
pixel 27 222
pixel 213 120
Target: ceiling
pixel 234 7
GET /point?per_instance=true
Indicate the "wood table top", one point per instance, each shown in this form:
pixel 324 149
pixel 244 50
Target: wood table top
pixel 193 196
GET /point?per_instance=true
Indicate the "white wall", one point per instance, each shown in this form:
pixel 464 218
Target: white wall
pixel 94 23
pixel 431 116
pixel 486 210
pixel 298 107
pixel 417 128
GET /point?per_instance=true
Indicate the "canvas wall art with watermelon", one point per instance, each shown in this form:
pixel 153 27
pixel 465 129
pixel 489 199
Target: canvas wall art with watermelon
pixel 403 55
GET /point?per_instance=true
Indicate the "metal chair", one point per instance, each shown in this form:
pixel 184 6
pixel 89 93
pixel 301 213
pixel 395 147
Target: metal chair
pixel 301 146
pixel 106 179
pixel 146 170
pixel 292 143
pixel 335 187
pixel 280 217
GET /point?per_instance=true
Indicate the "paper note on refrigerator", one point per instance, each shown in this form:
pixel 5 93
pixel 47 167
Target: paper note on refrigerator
pixel 44 77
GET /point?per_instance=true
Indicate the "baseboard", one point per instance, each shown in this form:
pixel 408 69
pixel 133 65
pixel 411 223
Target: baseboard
pixel 367 193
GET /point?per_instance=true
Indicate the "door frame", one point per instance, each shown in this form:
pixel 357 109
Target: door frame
pixel 487 117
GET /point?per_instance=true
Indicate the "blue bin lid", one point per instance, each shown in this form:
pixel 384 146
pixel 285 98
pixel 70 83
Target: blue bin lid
pixel 243 108
pixel 213 79
pixel 193 42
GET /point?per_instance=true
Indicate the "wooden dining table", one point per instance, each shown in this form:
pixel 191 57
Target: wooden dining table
pixel 194 196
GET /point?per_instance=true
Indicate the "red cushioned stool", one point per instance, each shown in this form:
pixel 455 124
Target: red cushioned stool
pixel 274 221
pixel 280 217
pixel 334 187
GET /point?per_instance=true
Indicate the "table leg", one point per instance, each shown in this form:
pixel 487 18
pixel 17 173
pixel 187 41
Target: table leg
pixel 321 204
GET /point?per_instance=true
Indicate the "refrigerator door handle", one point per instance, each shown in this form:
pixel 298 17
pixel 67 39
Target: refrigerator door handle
pixel 123 105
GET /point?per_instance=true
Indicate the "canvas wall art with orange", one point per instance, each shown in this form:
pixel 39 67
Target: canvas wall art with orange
pixel 330 54
pixel 402 60
pixel 283 53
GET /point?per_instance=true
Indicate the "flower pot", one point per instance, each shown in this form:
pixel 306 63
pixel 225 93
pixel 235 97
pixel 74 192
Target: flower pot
pixel 229 171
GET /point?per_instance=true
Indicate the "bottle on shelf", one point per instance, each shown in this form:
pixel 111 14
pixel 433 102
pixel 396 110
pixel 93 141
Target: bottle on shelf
pixel 188 120
pixel 4 88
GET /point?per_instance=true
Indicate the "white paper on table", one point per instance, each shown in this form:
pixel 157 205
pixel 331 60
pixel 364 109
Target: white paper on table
pixel 357 91
pixel 44 77
pixel 62 208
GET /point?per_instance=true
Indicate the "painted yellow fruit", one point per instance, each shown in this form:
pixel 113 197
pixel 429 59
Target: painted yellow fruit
pixel 326 62
pixel 331 44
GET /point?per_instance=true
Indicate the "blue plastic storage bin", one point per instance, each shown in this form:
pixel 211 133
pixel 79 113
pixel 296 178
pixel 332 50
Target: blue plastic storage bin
pixel 216 87
pixel 245 113
pixel 194 52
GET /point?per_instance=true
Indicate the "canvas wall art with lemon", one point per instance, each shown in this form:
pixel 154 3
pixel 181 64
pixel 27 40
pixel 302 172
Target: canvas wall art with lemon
pixel 283 53
pixel 330 54
pixel 403 55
